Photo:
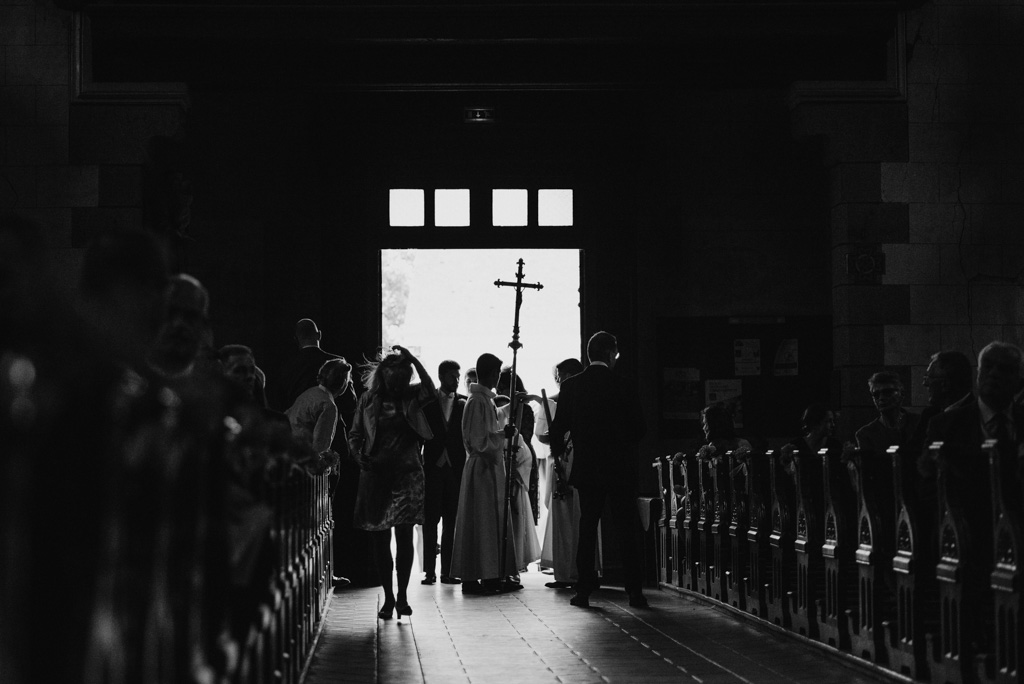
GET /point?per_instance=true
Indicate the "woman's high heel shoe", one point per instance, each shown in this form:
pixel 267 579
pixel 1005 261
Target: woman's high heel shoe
pixel 403 609
pixel 385 612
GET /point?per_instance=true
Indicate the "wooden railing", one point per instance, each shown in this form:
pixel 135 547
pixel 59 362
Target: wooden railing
pixel 282 633
pixel 845 550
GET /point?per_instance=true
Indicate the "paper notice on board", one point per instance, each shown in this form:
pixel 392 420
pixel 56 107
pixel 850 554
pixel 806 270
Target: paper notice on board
pixel 681 399
pixel 728 392
pixel 747 356
pixel 787 358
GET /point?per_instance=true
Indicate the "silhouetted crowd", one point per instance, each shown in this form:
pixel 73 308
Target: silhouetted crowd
pixel 140 469
pixel 145 466
pixel 141 462
pixel 912 523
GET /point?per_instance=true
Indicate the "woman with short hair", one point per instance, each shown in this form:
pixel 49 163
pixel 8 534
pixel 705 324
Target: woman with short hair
pixel 314 415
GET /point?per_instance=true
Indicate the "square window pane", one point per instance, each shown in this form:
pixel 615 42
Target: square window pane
pixel 508 207
pixel 451 207
pixel 406 207
pixel 554 207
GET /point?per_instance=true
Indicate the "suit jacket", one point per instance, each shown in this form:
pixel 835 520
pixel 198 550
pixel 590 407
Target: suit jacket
pixel 876 437
pixel 602 413
pixel 447 435
pixel 299 373
pixel 960 430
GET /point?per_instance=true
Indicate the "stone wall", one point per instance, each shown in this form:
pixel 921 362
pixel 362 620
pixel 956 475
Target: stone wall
pixel 37 176
pixel 962 184
pixel 926 198
pixel 740 207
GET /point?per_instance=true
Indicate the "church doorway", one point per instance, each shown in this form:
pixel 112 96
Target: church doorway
pixel 443 304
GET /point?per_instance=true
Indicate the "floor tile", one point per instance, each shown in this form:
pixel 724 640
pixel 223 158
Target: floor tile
pixel 534 635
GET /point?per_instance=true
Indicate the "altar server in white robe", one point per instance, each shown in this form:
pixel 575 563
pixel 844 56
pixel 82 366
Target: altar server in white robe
pixel 561 530
pixel 476 556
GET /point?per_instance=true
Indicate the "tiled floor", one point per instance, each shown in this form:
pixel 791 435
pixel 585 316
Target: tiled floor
pixel 534 635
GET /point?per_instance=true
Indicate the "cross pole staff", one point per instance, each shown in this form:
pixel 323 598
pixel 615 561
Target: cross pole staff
pixel 512 445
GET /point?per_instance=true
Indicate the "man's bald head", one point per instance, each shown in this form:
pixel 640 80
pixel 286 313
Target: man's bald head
pixel 306 333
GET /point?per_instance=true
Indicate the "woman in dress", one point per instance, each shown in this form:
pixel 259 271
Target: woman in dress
pixel 387 431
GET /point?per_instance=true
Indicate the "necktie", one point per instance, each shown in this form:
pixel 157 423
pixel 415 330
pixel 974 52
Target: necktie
pixel 447 400
pixel 999 429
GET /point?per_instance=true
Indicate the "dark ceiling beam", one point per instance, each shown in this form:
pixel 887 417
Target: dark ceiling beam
pixel 490 45
pixel 495 24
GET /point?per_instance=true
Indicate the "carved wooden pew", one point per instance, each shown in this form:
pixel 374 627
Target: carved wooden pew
pixel 705 517
pixel 685 468
pixel 283 630
pixel 666 559
pixel 720 518
pixel 1007 577
pixel 759 550
pixel 673 519
pixel 810 526
pixel 738 522
pixel 963 570
pixel 781 540
pixel 876 533
pixel 839 552
pixel 913 564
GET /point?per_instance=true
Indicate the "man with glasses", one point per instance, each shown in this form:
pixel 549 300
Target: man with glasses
pixel 948 380
pixel 894 424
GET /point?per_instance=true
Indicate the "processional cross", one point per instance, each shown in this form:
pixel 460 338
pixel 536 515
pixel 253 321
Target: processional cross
pixel 513 419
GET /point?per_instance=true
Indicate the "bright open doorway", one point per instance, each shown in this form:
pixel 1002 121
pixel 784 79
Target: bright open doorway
pixel 443 304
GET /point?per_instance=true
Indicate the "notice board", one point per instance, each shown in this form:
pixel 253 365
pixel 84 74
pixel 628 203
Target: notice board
pixel 768 369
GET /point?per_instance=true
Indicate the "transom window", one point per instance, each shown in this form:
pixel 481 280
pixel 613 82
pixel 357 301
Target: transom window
pixel 451 207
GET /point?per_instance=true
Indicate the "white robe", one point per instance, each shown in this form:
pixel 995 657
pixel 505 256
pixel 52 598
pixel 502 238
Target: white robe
pixel 562 529
pixel 478 525
pixel 523 527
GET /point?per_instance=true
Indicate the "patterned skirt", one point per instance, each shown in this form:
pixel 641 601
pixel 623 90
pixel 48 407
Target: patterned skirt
pixel 385 500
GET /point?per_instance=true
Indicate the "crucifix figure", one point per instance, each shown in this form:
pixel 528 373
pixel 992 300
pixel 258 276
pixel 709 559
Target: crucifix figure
pixel 511 445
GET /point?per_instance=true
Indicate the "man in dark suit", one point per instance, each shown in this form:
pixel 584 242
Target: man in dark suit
pixel 962 431
pixel 601 411
pixel 966 482
pixel 993 416
pixel 299 372
pixel 949 382
pixel 297 375
pixel 443 459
